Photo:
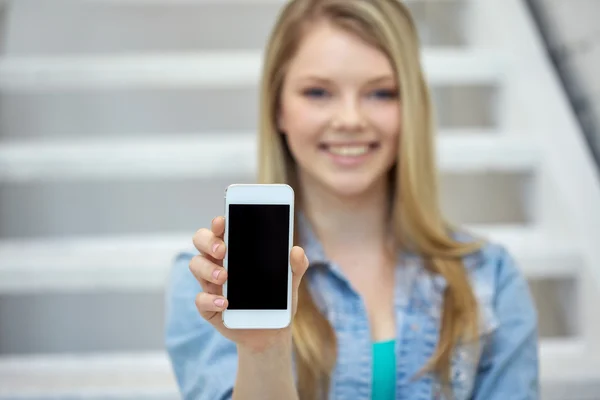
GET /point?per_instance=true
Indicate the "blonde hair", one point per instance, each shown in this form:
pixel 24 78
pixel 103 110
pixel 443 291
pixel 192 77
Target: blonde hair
pixel 416 214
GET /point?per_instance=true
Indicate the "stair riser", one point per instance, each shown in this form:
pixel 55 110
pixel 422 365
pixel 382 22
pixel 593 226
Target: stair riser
pixel 146 206
pixel 98 27
pixel 117 321
pixel 63 323
pixel 115 112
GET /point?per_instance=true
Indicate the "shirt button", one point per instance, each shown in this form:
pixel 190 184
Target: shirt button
pixel 414 327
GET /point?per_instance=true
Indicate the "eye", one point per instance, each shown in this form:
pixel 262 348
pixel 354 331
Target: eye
pixel 315 92
pixel 384 94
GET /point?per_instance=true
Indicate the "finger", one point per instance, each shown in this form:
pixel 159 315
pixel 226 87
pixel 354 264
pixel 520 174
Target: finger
pixel 299 264
pixel 210 305
pixel 204 269
pixel 211 288
pixel 209 244
pixel 218 226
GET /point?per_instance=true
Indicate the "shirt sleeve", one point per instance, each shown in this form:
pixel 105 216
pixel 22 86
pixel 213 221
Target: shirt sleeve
pixel 204 362
pixel 509 367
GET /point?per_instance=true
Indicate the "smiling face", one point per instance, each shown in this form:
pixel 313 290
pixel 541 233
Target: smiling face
pixel 340 111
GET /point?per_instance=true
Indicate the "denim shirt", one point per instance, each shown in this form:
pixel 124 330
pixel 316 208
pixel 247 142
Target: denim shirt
pixel 502 365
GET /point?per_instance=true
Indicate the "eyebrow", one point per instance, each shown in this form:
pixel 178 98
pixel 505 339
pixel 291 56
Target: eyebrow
pixel 381 79
pixel 326 80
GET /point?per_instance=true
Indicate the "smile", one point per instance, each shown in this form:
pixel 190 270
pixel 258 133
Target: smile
pixel 349 150
pixel 349 154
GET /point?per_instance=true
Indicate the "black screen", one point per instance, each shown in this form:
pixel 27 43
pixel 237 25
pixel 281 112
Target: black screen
pixel 258 256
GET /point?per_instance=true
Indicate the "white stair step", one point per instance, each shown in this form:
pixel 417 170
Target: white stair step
pixel 569 362
pixel 537 254
pixel 143 262
pixel 206 70
pixel 149 375
pixel 117 262
pixel 222 154
pixel 97 376
pixel 492 152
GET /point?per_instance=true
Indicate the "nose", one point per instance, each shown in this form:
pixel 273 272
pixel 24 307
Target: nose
pixel 349 116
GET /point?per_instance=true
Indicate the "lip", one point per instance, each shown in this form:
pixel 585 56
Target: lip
pixel 349 160
pixel 348 144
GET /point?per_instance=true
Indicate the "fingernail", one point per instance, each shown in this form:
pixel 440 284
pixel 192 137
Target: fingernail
pixel 305 260
pixel 216 273
pixel 219 302
pixel 215 247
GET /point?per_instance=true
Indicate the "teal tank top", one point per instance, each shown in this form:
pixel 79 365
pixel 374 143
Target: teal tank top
pixel 384 370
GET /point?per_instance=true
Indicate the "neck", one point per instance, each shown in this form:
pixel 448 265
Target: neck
pixel 351 222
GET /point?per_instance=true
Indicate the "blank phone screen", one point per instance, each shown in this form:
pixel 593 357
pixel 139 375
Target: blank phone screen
pixel 258 256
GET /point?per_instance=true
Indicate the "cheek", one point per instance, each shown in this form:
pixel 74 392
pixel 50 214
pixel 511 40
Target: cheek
pixel 302 121
pixel 387 120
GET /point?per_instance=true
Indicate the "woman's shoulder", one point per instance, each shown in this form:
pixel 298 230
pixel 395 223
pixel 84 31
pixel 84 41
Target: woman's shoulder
pixel 492 265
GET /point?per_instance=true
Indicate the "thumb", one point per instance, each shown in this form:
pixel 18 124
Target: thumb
pixel 299 264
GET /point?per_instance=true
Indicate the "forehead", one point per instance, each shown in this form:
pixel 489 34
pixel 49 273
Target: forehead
pixel 328 50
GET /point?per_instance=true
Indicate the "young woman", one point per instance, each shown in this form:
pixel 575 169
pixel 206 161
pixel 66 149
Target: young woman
pixel 391 301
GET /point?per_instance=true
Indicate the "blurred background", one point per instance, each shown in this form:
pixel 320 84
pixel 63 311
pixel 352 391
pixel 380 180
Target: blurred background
pixel 122 122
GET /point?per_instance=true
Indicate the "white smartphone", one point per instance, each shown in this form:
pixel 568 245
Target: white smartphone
pixel 259 232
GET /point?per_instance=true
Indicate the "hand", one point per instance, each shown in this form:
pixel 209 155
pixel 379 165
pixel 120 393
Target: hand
pixel 208 270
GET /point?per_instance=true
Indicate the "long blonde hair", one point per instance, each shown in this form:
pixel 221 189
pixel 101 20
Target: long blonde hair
pixel 416 215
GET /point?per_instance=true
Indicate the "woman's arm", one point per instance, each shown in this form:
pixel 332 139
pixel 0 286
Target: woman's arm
pixel 266 376
pixel 204 362
pixel 210 367
pixel 509 366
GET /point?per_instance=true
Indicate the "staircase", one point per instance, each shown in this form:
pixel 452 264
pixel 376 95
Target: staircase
pixel 122 122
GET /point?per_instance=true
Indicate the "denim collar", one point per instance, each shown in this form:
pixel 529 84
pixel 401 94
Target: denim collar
pixel 309 241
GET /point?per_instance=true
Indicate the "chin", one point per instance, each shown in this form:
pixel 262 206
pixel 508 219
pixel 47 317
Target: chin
pixel 345 184
pixel 349 186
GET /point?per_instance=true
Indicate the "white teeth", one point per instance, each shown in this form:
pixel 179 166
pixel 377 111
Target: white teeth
pixel 351 151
